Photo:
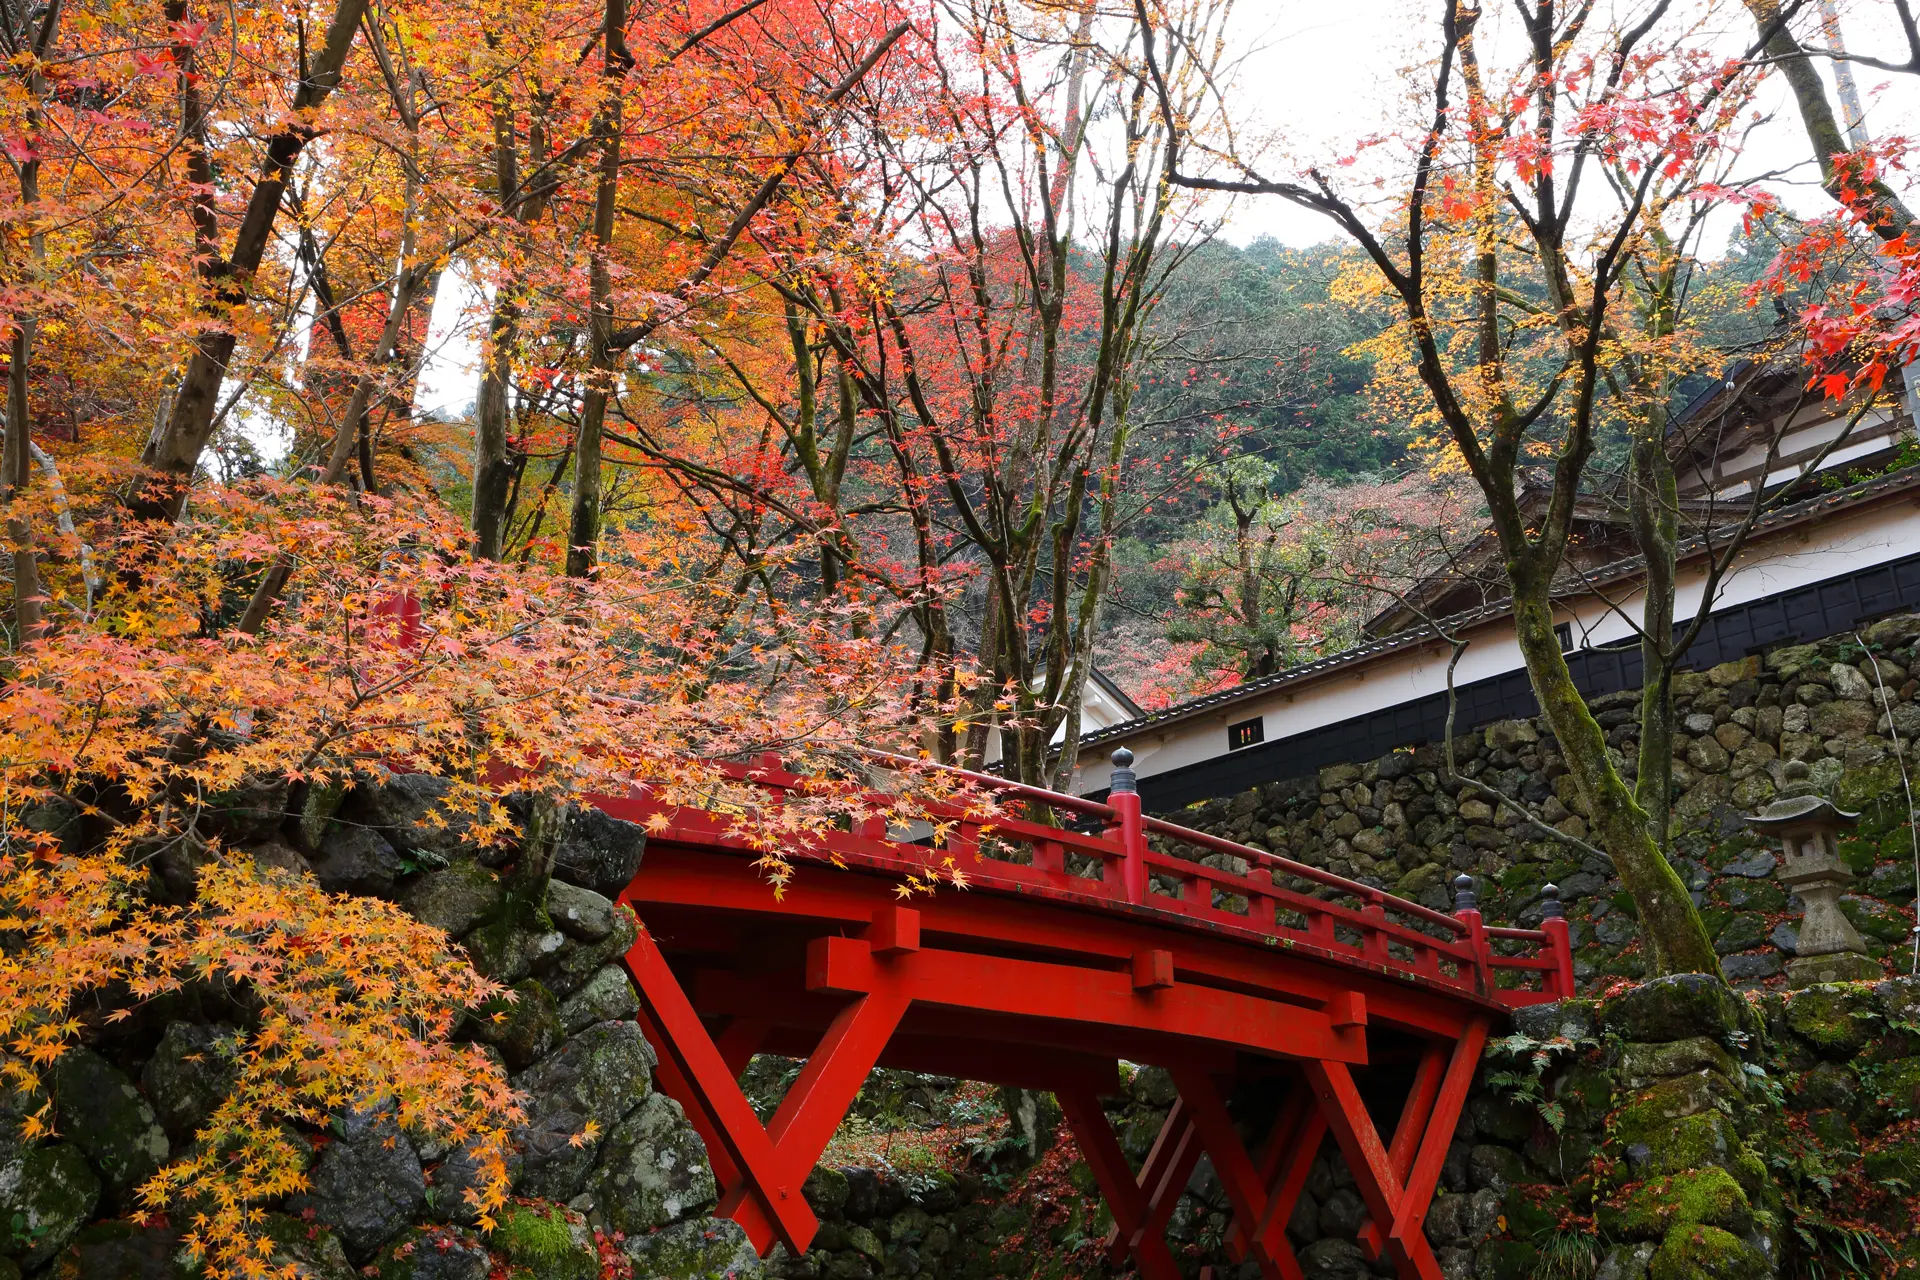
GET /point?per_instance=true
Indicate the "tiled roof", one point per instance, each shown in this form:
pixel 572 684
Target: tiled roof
pixel 1818 506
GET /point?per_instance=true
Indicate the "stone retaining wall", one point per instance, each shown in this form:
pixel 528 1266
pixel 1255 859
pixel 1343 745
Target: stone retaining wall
pixel 1400 824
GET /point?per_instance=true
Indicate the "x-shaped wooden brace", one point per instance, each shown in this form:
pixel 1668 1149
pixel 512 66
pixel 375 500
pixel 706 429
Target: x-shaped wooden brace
pixel 760 1169
pixel 1397 1181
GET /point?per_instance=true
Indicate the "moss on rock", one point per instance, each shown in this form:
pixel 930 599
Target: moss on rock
pixel 46 1194
pixel 699 1249
pixel 1677 1007
pixel 1836 1019
pixel 1656 1146
pixel 1693 1252
pixel 1700 1197
pixel 544 1244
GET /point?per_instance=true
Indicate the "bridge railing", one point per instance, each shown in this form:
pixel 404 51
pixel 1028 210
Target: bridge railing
pixel 1097 851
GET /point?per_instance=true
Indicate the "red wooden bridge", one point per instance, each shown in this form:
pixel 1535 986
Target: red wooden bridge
pixel 1076 947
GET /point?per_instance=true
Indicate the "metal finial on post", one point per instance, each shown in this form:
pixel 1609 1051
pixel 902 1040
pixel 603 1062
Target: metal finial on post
pixel 1123 775
pixel 1551 908
pixel 1463 895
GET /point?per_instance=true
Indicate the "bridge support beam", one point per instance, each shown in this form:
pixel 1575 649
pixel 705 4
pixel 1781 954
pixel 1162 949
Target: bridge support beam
pixel 761 1170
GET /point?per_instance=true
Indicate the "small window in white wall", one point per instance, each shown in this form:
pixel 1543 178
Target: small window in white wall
pixel 1246 733
pixel 1564 630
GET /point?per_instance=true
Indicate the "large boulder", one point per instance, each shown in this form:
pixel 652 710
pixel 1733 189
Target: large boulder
pixel 599 1075
pixel 434 1253
pixel 1676 1007
pixel 119 1250
pixel 101 1113
pixel 598 852
pixel 304 1251
pixel 523 1024
pixel 410 810
pixel 47 1193
pixel 367 1185
pixel 606 996
pixel 653 1169
pixel 358 860
pixel 188 1076
pixel 580 913
pixel 568 966
pixel 453 899
pixel 698 1249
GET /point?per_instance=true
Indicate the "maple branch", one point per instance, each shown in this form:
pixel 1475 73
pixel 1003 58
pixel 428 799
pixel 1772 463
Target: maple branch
pixel 624 339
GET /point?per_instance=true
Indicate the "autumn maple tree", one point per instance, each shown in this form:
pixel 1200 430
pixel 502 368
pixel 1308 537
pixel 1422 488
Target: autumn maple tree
pixel 1549 186
pixel 228 227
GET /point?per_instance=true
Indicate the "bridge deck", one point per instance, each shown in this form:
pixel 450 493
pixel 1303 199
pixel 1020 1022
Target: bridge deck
pixel 1069 952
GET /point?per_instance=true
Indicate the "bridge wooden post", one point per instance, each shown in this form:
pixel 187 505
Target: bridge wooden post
pixel 1559 979
pixel 1466 909
pixel 1123 796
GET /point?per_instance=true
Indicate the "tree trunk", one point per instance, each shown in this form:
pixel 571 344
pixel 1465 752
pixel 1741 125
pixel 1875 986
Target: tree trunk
pixel 28 616
pixel 1668 920
pixel 583 525
pixel 1654 509
pixel 1891 218
pixel 493 469
pixel 175 447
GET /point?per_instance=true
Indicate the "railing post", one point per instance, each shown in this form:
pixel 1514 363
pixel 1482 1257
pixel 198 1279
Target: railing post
pixel 1123 797
pixel 1559 937
pixel 1466 909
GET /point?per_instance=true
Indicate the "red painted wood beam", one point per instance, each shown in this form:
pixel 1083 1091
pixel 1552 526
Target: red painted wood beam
pixel 1235 1169
pixel 1094 1136
pixel 1163 1177
pixel 777 1208
pixel 1407 1134
pixel 1068 994
pixel 724 887
pixel 995 1048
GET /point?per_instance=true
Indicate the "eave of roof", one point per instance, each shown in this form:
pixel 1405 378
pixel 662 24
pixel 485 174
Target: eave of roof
pixel 1818 506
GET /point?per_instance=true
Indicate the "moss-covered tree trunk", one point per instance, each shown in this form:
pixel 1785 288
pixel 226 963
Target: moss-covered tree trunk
pixel 1668 919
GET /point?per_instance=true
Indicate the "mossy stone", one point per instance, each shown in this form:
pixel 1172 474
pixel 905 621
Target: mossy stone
pixel 102 1113
pixel 46 1194
pixel 1836 1018
pixel 1899 1159
pixel 1835 1136
pixel 1825 1085
pixel 434 1253
pixel 120 1250
pixel 1504 1119
pixel 1693 1252
pixel 543 1244
pixel 653 1169
pixel 304 1251
pixel 1504 1260
pixel 1655 1145
pixel 826 1191
pixel 1531 1214
pixel 698 1249
pixel 1640 1065
pixel 1676 1007
pixel 1709 1197
pixel 1875 920
pixel 1674 1098
pixel 524 1027
pixel 1585 1092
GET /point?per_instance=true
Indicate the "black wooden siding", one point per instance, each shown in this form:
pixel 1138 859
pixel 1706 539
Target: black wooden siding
pixel 1806 613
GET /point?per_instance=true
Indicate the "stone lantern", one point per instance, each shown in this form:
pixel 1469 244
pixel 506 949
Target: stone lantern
pixel 1808 826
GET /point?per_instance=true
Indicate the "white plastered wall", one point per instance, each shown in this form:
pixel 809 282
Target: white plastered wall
pixel 1769 567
